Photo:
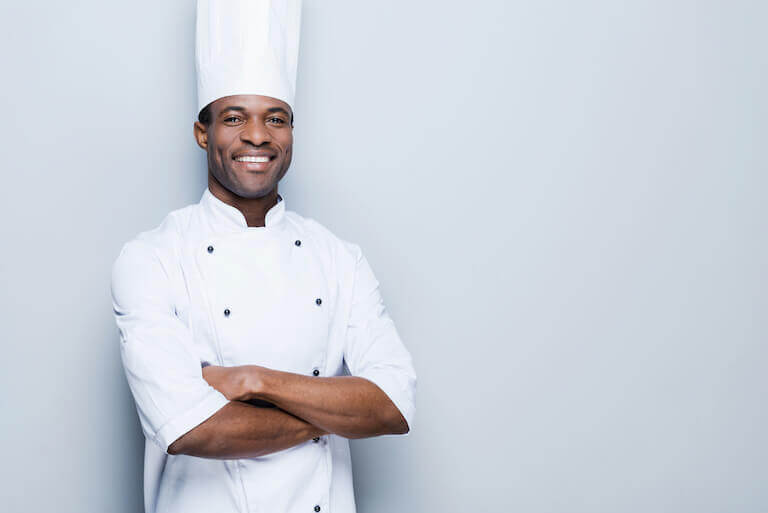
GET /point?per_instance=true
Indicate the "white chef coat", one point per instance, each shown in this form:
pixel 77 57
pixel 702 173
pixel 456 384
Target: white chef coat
pixel 204 286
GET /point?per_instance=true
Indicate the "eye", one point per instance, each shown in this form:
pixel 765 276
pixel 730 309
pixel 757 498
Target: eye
pixel 231 118
pixel 276 120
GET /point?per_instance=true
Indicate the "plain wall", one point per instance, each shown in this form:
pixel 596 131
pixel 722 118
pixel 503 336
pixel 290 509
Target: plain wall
pixel 564 202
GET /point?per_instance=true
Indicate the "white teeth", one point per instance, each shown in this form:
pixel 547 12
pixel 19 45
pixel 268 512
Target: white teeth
pixel 248 158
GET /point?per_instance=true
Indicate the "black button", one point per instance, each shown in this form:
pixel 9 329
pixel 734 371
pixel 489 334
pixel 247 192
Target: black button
pixel 318 301
pixel 316 372
pixel 298 243
pixel 316 439
pixel 210 249
pixel 226 312
pixel 317 507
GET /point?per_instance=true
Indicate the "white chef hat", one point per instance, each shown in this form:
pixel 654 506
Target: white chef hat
pixel 247 47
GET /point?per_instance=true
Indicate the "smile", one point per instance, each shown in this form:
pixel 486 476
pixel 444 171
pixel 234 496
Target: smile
pixel 252 159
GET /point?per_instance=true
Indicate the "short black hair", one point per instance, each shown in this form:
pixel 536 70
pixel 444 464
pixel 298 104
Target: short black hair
pixel 204 116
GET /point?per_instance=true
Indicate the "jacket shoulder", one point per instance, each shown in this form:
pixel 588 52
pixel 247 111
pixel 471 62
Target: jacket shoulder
pixel 160 243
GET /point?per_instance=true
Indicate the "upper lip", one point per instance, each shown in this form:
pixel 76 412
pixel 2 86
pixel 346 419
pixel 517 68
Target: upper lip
pixel 255 153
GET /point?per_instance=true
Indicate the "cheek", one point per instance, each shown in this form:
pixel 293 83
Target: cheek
pixel 221 145
pixel 222 156
pixel 214 159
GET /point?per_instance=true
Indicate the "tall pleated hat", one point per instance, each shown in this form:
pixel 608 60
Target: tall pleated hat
pixel 247 47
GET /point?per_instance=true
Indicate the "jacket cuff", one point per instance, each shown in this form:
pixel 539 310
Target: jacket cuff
pixel 193 417
pixel 399 395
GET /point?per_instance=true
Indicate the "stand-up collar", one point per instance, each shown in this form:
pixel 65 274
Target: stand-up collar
pixel 225 217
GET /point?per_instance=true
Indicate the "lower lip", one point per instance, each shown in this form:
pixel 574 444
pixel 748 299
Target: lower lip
pixel 254 166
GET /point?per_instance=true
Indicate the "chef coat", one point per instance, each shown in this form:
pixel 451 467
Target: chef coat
pixel 205 287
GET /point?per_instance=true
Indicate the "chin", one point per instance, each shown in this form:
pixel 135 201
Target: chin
pixel 255 191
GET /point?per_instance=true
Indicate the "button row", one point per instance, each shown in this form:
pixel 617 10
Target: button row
pixel 297 242
pixel 318 301
pixel 315 371
pixel 227 311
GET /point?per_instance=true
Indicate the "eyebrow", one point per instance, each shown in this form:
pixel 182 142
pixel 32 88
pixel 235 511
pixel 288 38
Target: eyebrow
pixel 278 109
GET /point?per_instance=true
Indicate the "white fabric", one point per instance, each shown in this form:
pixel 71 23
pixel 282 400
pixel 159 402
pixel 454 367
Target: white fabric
pixel 247 47
pixel 169 294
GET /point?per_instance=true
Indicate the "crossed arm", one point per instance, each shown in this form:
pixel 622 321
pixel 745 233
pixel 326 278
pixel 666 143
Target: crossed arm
pixel 163 371
pixel 305 407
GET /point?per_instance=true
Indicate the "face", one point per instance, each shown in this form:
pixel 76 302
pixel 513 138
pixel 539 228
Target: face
pixel 249 141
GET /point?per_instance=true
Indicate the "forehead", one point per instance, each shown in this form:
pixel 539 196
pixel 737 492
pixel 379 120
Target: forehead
pixel 249 103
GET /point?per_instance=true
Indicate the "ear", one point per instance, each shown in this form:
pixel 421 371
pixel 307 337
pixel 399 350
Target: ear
pixel 201 135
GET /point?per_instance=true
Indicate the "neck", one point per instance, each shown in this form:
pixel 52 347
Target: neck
pixel 253 209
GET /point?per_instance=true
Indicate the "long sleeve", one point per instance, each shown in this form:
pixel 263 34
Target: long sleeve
pixel 161 367
pixel 373 347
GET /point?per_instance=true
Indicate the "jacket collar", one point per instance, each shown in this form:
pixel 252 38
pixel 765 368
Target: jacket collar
pixel 225 217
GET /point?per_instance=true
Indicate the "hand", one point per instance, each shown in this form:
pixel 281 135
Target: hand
pixel 230 381
pixel 237 383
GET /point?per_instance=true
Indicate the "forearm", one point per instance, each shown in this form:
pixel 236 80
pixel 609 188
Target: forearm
pixel 240 430
pixel 349 406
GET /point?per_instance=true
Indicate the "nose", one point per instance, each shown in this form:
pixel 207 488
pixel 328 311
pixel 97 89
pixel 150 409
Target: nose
pixel 255 133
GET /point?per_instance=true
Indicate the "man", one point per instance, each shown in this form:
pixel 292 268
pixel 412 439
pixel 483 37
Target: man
pixel 239 319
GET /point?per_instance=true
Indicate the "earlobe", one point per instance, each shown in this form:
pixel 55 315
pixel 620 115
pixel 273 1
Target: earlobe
pixel 201 135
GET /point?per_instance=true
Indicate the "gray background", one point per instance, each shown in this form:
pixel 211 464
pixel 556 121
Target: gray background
pixel 565 203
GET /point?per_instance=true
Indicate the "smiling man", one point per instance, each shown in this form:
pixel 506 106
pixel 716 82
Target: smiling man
pixel 255 342
pixel 249 140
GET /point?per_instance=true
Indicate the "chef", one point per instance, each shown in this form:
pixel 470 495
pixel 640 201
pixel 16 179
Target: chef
pixel 255 342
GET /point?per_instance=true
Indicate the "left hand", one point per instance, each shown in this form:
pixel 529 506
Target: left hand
pixel 233 382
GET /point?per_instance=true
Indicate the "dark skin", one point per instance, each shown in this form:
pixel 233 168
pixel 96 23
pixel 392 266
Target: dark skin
pixel 304 406
pixel 240 125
